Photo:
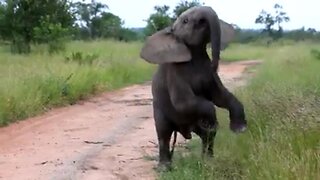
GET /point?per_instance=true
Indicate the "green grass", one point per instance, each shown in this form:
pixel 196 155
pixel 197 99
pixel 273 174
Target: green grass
pixel 282 105
pixel 236 52
pixel 32 84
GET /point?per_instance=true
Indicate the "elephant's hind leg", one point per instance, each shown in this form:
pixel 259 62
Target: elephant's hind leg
pixel 207 137
pixel 164 130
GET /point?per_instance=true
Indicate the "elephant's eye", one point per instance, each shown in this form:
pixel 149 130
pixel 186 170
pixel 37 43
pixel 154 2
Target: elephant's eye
pixel 185 21
pixel 202 21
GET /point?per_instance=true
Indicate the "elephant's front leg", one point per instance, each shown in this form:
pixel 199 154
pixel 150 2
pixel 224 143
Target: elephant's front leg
pixel 223 98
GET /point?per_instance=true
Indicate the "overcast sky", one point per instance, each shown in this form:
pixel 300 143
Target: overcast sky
pixel 241 12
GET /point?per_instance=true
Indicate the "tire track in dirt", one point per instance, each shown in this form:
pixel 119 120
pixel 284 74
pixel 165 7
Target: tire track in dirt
pixel 111 136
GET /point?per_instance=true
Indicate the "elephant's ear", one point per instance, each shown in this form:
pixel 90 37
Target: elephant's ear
pixel 227 33
pixel 162 47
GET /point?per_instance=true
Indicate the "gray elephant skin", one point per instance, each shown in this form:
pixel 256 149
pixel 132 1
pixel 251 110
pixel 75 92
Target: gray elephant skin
pixel 186 86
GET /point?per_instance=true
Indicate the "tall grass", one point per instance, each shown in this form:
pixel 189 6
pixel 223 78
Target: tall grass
pixel 31 84
pixel 282 104
pixel 236 52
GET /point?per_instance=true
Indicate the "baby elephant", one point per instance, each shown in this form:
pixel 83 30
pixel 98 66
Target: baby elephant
pixel 186 85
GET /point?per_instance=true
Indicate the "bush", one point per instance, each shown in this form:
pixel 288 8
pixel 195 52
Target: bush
pixel 315 53
pixel 20 46
pixel 81 59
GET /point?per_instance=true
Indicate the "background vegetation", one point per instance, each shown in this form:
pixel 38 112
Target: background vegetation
pixel 53 53
pixel 24 23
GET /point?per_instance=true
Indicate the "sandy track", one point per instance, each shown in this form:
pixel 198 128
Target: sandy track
pixel 106 137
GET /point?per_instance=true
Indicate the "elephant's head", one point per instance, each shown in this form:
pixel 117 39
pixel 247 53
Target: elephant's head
pixel 193 29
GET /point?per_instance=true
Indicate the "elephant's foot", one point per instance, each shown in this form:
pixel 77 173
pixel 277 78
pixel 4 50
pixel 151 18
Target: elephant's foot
pixel 238 127
pixel 207 154
pixel 164 167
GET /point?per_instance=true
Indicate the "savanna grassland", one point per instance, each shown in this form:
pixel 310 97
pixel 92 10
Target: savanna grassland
pixel 31 84
pixel 282 105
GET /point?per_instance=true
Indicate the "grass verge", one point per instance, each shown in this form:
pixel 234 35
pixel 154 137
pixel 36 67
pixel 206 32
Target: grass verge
pixel 282 105
pixel 32 84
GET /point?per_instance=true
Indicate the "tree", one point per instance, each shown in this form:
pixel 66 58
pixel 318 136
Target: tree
pixel 158 20
pixel 88 14
pixel 183 5
pixel 127 35
pixel 24 21
pixel 270 21
pixel 93 21
pixel 161 18
pixel 111 25
pixel 50 33
pixel 3 8
pixel 302 34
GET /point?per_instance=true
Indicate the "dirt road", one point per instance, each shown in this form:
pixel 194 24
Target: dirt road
pixel 106 137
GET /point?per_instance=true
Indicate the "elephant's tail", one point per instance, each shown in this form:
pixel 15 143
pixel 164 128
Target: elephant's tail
pixel 174 142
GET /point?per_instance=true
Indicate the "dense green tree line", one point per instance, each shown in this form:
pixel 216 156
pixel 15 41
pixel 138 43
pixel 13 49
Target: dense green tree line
pixel 27 22
pixel 24 22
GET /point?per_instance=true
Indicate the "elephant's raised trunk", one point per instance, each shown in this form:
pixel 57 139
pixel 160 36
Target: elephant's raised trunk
pixel 215 36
